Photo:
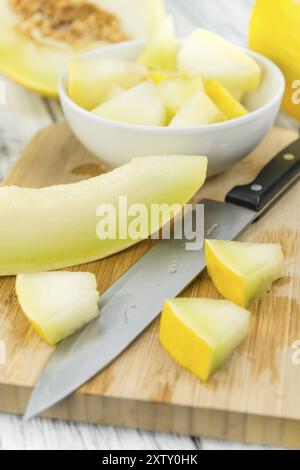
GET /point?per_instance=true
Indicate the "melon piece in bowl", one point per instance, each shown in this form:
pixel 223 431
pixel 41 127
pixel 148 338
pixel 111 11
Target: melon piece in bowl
pixel 209 55
pixel 140 105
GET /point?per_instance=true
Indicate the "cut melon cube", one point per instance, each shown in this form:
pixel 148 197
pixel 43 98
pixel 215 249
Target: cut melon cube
pixel 200 334
pixel 243 272
pixel 224 100
pixel 161 51
pixel 198 110
pixel 58 303
pixel 209 55
pixel 90 80
pixel 175 93
pixel 140 105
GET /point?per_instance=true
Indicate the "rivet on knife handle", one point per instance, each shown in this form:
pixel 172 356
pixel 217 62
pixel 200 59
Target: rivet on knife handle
pixel 274 179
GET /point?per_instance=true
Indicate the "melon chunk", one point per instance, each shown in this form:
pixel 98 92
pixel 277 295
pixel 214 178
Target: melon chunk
pixel 58 303
pixel 175 92
pixel 243 272
pixel 157 76
pixel 34 57
pixel 140 105
pixel 56 227
pixel 200 334
pixel 198 110
pixel 209 55
pixel 225 101
pixel 91 80
pixel 161 51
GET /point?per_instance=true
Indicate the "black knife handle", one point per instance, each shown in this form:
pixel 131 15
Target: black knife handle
pixel 274 179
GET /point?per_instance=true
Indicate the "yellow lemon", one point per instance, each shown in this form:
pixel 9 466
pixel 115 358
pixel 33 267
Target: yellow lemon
pixel 274 32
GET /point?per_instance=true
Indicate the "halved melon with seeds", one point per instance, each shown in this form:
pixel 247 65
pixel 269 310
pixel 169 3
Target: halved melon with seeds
pixel 38 37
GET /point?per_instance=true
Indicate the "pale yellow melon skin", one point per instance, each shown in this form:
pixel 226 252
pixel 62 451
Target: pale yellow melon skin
pixel 224 100
pixel 38 66
pixel 51 228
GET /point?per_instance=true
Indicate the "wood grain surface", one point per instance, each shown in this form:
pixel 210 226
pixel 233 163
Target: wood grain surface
pixel 253 398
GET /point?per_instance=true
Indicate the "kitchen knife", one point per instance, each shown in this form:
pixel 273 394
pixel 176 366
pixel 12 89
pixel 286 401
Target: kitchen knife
pixel 136 299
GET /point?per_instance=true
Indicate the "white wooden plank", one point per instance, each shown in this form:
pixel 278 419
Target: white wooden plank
pixel 21 115
pixel 59 435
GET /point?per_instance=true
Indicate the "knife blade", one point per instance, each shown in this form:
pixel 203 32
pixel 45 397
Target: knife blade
pixel 136 299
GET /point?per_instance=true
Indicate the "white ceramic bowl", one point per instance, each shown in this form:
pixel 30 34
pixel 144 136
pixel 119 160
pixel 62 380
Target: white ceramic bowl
pixel 224 143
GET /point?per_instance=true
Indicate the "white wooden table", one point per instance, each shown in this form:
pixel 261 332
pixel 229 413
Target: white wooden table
pixel 22 115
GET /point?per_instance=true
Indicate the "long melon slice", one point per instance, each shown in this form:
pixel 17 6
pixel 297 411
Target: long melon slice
pixel 50 228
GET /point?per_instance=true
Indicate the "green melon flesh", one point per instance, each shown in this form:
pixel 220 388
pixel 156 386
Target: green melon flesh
pixel 50 228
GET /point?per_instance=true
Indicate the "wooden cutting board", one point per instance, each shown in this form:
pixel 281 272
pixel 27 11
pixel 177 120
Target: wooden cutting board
pixel 254 397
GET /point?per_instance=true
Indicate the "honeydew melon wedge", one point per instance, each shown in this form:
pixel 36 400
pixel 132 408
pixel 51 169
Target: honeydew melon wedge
pixel 175 92
pixel 91 81
pixel 36 61
pixel 58 303
pixel 56 227
pixel 161 51
pixel 243 272
pixel 140 105
pixel 198 110
pixel 209 55
pixel 200 334
pixel 225 101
